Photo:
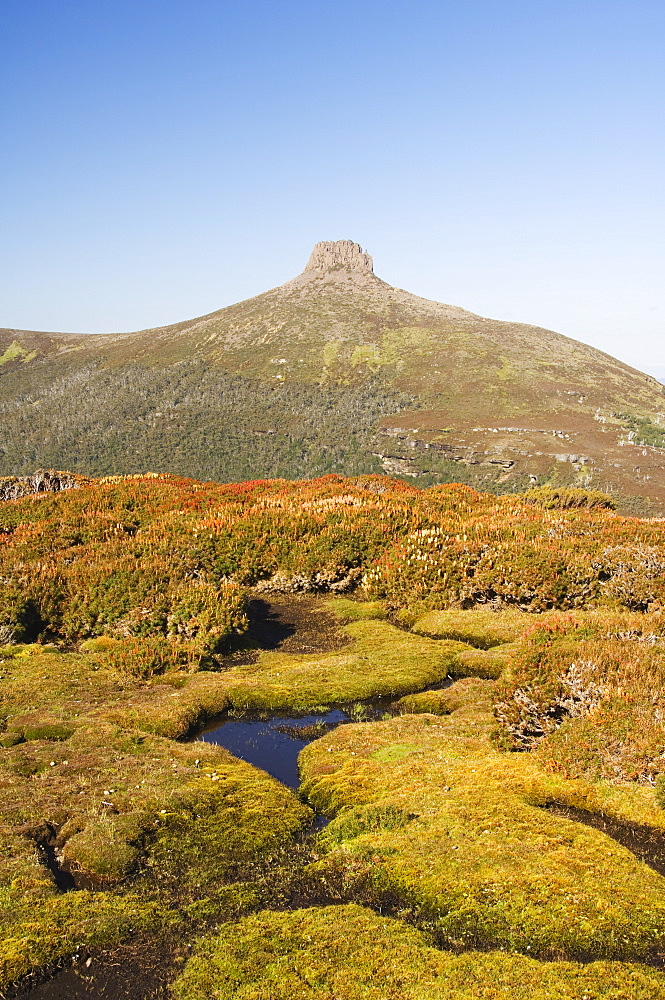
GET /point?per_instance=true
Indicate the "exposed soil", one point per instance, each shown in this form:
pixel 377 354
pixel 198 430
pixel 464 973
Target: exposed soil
pixel 292 623
pixel 135 970
pixel 63 879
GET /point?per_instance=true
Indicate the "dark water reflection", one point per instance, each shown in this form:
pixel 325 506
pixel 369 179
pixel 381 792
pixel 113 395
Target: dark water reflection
pixel 273 744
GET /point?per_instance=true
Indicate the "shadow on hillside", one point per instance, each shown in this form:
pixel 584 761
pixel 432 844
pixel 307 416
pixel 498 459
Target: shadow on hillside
pixel 269 625
pixel 290 623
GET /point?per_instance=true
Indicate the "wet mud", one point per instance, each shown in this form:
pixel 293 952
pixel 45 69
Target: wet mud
pixel 135 970
pixel 48 856
pixel 293 623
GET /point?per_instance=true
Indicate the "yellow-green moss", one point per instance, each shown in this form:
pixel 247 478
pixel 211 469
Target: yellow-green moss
pixel 443 701
pixel 482 860
pixel 349 953
pixel 119 801
pixel 484 663
pixel 39 924
pixel 15 351
pixel 382 660
pixel 477 627
pixel 53 928
pixel 54 731
pixel 143 818
pixel 353 611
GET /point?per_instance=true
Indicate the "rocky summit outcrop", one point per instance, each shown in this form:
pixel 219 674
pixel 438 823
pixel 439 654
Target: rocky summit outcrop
pixel 335 371
pixel 342 253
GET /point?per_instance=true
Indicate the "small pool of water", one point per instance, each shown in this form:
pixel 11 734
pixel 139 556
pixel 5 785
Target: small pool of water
pixel 293 624
pixel 273 744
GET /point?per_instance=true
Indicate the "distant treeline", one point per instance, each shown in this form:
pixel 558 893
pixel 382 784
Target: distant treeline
pixel 192 420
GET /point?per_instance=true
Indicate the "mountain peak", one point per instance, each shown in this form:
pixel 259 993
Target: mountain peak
pixel 331 256
pixel 334 371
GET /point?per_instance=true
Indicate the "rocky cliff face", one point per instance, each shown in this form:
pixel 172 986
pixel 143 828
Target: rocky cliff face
pixel 340 254
pixel 42 481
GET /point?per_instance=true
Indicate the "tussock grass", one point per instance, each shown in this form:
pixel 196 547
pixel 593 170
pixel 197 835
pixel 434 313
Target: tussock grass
pixel 568 498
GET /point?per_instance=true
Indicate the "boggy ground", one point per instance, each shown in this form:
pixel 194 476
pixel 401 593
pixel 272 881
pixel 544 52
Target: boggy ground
pixel 349 953
pixel 427 812
pixel 433 822
pixel 159 835
pixel 143 585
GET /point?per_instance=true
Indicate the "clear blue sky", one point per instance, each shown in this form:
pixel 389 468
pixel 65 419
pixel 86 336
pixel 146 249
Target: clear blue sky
pixel 163 159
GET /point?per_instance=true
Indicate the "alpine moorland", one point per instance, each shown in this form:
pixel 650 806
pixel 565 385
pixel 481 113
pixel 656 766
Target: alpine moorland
pixel 479 811
pixel 335 371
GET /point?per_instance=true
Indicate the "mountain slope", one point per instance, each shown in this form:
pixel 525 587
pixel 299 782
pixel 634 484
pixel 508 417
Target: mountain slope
pixel 334 371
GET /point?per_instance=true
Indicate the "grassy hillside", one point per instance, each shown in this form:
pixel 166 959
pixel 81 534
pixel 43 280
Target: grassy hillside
pixel 334 371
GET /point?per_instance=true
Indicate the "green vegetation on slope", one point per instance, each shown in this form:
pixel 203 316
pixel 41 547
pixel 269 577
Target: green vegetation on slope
pixel 643 430
pixel 188 419
pixel 15 351
pixel 332 372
